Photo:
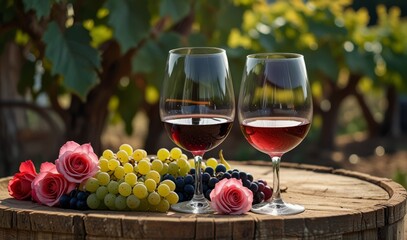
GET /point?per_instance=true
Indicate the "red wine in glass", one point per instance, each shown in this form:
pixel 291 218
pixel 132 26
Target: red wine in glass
pixel 275 135
pixel 198 133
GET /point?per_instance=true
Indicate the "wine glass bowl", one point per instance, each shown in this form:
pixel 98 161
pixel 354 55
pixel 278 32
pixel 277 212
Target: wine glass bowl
pixel 275 113
pixel 197 107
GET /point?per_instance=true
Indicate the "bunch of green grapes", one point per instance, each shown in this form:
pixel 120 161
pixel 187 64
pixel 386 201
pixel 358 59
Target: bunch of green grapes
pixel 131 180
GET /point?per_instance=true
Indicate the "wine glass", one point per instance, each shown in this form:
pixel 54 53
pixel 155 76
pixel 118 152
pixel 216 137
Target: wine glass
pixel 275 113
pixel 197 107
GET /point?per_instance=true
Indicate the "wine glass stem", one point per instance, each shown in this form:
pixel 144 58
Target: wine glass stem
pixel 276 197
pixel 198 179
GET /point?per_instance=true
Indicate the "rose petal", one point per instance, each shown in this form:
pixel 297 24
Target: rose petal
pixel 48 167
pixel 68 146
pixel 28 167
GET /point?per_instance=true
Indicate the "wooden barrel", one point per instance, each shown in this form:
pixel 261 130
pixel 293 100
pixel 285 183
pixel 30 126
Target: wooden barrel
pixel 339 204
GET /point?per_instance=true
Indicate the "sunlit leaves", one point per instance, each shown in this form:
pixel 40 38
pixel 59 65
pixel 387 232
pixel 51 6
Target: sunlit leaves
pixel 72 57
pixel 130 20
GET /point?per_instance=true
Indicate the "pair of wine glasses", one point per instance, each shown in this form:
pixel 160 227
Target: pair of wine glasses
pixel 197 107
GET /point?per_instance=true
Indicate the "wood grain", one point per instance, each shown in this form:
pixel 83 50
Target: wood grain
pixel 339 204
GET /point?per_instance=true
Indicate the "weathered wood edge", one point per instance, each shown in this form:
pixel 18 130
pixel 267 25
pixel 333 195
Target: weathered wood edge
pixel 81 224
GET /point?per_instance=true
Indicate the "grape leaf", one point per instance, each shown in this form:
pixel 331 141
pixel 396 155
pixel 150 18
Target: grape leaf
pixel 130 20
pixel 42 8
pixel 175 9
pixel 72 57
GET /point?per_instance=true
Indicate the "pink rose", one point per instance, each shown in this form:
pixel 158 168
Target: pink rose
pixel 77 162
pixel 230 197
pixel 49 185
pixel 19 186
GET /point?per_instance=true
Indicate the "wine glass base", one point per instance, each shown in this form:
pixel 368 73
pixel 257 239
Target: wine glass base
pixel 197 207
pixel 277 209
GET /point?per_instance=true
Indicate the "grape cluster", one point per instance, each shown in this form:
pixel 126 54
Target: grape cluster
pixel 130 180
pixel 74 200
pixel 212 174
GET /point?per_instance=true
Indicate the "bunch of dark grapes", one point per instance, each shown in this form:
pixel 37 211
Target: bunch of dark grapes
pixel 74 200
pixel 210 177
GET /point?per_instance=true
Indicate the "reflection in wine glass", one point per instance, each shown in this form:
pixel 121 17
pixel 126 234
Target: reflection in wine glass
pixel 275 112
pixel 197 108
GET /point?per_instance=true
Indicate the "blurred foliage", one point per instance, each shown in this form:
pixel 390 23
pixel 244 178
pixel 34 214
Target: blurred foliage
pixel 71 41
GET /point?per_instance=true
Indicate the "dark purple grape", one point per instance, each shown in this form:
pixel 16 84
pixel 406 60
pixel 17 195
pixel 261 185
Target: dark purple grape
pixel 192 171
pixel 212 182
pixel 189 179
pixel 250 177
pixel 205 177
pixel 81 205
pixel 227 175
pixel 262 181
pixel 189 189
pixel 181 196
pixel 268 192
pixel 246 183
pixel 64 201
pixel 220 168
pixel 82 195
pixel 243 175
pixel 258 197
pixel 210 171
pixel 72 203
pixel 208 194
pixel 235 175
pixel 254 187
pixel 179 184
pixel 261 186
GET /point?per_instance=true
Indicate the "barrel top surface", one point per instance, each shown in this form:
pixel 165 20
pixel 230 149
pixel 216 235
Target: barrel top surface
pixel 335 201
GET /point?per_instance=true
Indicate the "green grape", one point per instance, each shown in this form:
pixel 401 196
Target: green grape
pixel 173 168
pixel 157 165
pixel 127 148
pixel 101 192
pixel 212 162
pixel 165 169
pixel 92 184
pixel 110 200
pixel 139 154
pixel 113 187
pixel 103 164
pixel 184 156
pixel 108 154
pixel 172 197
pixel 163 154
pixel 102 205
pixel 120 203
pixel 132 202
pixel 131 178
pixel 153 198
pixel 128 167
pixel 163 206
pixel 144 206
pixel 163 190
pixel 182 163
pixel 169 183
pixel 122 156
pixel 103 178
pixel 175 153
pixel 93 201
pixel 113 164
pixel 125 189
pixel 140 191
pixel 150 184
pixel 154 175
pixel 119 172
pixel 144 167
pixel 184 171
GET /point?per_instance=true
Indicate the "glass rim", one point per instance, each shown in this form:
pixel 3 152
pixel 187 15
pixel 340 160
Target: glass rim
pixel 197 51
pixel 285 56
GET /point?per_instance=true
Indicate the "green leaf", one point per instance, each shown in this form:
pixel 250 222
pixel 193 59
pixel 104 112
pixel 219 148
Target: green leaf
pixel 322 61
pixel 175 9
pixel 42 8
pixel 151 58
pixel 130 98
pixel 130 20
pixel 361 63
pixel 72 57
pixel 26 77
